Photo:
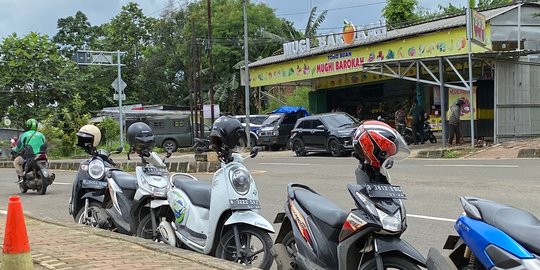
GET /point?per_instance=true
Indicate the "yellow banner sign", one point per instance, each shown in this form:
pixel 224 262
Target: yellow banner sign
pixel 454 95
pixel 450 42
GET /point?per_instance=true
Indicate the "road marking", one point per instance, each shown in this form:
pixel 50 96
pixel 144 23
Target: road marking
pixel 287 164
pixel 61 183
pixel 3 212
pixel 471 165
pixel 432 218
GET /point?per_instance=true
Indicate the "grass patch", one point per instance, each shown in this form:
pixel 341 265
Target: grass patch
pixel 450 153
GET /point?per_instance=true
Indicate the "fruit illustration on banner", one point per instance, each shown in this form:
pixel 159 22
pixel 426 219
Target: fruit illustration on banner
pixel 349 32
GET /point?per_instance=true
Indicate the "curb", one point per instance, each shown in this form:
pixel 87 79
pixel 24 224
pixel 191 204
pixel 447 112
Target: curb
pixel 182 167
pixel 205 260
pixel 529 153
pixel 430 154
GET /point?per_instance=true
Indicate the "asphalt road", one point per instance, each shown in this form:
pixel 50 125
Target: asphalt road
pixel 433 188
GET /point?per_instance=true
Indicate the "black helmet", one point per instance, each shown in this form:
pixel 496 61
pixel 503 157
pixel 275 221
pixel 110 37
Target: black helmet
pixel 226 132
pixel 140 137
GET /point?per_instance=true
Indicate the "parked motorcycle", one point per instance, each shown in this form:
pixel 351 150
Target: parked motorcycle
pixel 221 218
pixel 316 234
pixel 89 186
pixel 407 133
pixel 135 198
pixel 491 236
pixel 36 173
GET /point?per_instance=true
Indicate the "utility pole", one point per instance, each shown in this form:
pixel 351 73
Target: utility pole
pixel 246 77
pixel 199 84
pixel 469 38
pixel 210 62
pixel 195 68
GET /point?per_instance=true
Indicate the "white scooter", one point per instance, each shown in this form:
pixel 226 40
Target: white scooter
pixel 135 198
pixel 220 219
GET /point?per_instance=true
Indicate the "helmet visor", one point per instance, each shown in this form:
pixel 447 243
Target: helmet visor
pixel 403 150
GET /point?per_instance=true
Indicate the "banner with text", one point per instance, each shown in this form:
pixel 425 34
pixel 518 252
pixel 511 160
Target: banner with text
pixel 450 42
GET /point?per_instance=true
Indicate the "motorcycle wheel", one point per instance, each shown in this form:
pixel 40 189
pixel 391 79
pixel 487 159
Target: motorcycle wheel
pixel 432 138
pixel 390 262
pixel 290 243
pixel 23 188
pixel 227 249
pixel 98 218
pixel 44 182
pixel 145 227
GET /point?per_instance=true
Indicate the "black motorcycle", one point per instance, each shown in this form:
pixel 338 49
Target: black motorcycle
pixel 36 173
pixel 407 133
pixel 316 234
pixel 89 186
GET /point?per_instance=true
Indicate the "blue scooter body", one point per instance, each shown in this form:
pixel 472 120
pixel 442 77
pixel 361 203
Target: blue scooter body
pixel 478 235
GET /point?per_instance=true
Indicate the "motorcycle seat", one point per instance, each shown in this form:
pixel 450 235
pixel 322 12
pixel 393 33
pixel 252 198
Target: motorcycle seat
pixel 519 224
pixel 197 191
pixel 124 180
pixel 320 207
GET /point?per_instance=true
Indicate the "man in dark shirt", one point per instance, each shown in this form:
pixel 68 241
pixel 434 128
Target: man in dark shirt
pixel 417 113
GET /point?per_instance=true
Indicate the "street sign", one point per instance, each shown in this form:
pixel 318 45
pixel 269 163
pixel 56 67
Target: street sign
pixel 82 57
pixel 122 85
pixel 115 96
pixel 102 58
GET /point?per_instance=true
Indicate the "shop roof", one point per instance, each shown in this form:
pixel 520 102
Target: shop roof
pixel 417 29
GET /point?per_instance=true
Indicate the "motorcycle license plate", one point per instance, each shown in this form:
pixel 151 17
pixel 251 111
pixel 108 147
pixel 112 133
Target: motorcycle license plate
pixel 244 204
pixel 87 183
pixel 385 191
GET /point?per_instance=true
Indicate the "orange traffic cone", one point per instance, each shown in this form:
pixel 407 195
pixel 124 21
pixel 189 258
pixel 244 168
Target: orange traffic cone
pixel 16 247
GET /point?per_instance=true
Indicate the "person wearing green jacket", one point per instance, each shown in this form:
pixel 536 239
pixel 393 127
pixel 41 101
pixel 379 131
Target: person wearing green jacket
pixel 28 145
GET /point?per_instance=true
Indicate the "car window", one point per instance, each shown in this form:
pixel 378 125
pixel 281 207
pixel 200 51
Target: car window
pixel 303 124
pixel 317 123
pixel 289 119
pixel 272 119
pixel 257 120
pixel 339 120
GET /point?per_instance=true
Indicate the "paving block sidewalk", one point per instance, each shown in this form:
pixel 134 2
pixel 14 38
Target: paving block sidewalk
pixel 73 246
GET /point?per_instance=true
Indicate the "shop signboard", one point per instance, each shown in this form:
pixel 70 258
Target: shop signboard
pixel 478 27
pixel 443 43
pixel 454 95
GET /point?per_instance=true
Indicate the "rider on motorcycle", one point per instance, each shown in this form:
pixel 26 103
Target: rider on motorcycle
pixel 28 145
pixel 374 144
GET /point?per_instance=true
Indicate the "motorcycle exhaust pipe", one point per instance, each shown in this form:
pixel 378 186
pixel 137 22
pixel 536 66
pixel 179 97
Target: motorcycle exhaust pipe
pixel 284 260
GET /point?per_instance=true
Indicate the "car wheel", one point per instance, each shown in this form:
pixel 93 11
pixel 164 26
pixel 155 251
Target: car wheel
pixel 299 149
pixel 333 148
pixel 170 145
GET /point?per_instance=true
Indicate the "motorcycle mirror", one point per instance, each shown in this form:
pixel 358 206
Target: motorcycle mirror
pixel 254 152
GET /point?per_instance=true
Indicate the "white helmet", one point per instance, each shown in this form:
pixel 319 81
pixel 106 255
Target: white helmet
pixel 88 135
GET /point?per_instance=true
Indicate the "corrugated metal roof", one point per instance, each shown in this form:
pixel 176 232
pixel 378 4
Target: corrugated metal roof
pixel 440 24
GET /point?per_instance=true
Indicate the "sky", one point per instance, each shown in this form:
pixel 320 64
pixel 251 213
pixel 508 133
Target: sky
pixel 24 16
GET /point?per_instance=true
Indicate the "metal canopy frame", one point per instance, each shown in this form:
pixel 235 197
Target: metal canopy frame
pixel 424 70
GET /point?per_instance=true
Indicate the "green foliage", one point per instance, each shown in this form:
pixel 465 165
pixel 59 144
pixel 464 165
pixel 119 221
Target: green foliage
pixel 110 132
pixel 34 77
pixel 450 154
pixel 398 12
pixel 300 97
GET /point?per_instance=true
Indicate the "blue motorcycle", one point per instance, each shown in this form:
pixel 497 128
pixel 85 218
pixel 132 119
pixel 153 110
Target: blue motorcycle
pixel 491 236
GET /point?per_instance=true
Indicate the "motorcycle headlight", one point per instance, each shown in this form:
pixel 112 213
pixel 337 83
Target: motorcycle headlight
pixel 390 223
pixel 96 169
pixel 155 191
pixel 240 180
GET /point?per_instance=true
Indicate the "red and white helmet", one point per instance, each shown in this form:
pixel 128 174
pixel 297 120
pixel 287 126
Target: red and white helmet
pixel 376 142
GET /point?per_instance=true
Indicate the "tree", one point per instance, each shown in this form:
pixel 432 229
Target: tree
pixel 314 22
pixel 227 21
pixel 75 32
pixel 399 12
pixel 34 78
